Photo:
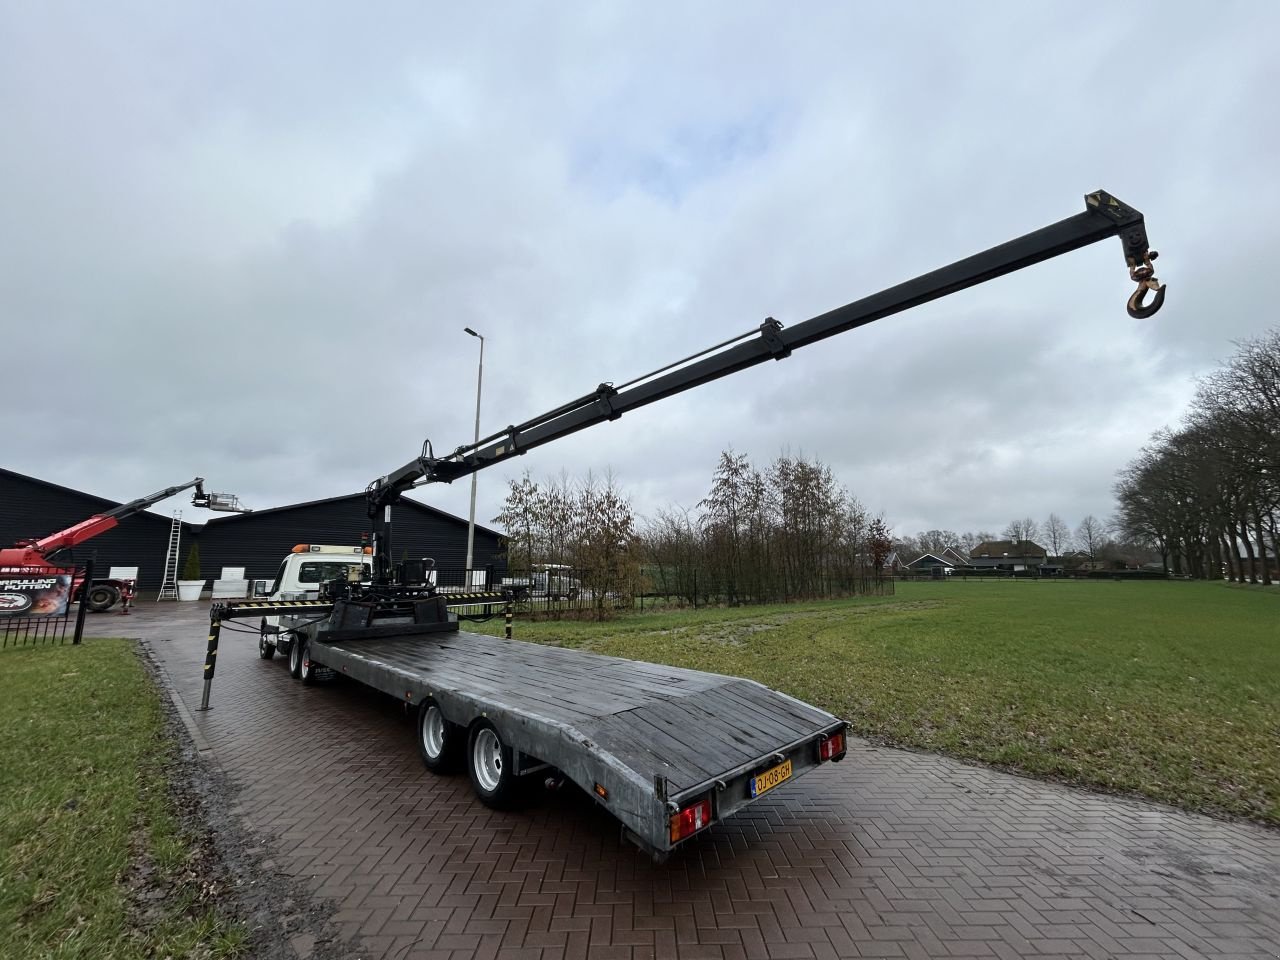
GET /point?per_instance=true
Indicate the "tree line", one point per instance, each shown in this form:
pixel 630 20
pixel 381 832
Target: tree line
pixel 586 524
pixel 1092 540
pixel 787 531
pixel 1206 496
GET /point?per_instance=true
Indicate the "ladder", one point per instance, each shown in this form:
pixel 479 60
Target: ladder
pixel 169 586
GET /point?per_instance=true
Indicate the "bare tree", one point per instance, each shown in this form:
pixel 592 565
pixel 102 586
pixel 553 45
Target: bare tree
pixel 604 541
pixel 1058 535
pixel 969 540
pixel 936 541
pixel 879 543
pixel 1090 536
pixel 1024 529
pixel 672 548
pixel 725 519
pixel 521 519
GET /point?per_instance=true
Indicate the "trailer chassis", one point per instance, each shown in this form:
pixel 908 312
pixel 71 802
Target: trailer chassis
pixel 714 743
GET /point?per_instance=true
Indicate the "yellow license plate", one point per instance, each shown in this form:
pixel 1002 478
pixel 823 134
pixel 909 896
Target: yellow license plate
pixel 770 778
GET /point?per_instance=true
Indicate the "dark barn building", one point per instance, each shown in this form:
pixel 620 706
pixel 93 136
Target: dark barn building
pixel 31 509
pixel 258 541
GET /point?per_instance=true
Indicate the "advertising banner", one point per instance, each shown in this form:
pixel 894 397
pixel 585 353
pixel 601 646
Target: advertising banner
pixel 34 595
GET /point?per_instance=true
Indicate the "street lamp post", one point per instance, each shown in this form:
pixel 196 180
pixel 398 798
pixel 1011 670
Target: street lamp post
pixel 471 522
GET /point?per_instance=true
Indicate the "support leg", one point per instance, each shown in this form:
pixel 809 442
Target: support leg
pixel 210 661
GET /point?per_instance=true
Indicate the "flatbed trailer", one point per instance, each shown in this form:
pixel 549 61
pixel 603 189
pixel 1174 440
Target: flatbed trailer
pixel 646 741
pixel 667 751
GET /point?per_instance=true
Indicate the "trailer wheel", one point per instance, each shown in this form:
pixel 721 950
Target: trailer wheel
pixel 492 768
pixel 102 597
pixel 295 657
pixel 307 667
pixel 440 743
pixel 265 650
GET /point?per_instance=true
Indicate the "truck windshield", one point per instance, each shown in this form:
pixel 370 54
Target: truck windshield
pixel 317 571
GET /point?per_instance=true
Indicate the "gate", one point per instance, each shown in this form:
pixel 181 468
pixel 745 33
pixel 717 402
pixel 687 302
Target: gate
pixel 35 604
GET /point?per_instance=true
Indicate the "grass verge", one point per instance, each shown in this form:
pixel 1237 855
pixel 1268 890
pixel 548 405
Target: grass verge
pixel 93 860
pixel 1167 690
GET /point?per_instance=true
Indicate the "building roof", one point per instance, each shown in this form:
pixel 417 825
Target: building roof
pixel 1011 548
pixel 406 501
pixel 109 504
pixel 105 503
pixel 937 560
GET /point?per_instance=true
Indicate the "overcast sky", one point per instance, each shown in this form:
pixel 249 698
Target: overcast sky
pixel 242 240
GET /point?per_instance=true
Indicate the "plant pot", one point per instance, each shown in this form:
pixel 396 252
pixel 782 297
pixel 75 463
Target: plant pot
pixel 190 589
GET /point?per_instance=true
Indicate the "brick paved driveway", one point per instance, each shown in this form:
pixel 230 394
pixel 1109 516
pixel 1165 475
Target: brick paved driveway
pixel 888 854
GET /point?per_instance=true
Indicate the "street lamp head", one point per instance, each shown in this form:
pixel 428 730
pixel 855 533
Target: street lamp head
pixel 472 332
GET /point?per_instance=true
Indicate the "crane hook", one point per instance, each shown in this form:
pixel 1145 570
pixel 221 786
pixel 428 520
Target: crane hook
pixel 1146 280
pixel 1136 308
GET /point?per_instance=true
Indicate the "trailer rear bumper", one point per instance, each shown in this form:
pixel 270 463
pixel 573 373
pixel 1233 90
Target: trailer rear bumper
pixel 683 815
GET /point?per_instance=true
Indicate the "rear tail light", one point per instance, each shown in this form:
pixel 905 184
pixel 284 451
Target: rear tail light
pixel 691 819
pixel 831 747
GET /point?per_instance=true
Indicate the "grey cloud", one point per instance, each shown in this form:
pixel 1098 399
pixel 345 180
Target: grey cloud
pixel 244 242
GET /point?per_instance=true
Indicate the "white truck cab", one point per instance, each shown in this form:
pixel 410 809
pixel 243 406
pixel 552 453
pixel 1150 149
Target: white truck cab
pixel 300 575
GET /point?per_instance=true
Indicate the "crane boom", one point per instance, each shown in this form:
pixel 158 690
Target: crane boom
pixel 35 552
pixel 1104 217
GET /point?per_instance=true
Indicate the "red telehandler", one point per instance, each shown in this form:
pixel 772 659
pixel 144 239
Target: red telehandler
pixel 32 556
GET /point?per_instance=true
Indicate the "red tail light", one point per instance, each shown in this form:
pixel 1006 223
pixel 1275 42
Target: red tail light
pixel 691 819
pixel 831 747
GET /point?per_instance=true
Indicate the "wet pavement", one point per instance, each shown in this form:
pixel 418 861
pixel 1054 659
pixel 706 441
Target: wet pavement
pixel 887 854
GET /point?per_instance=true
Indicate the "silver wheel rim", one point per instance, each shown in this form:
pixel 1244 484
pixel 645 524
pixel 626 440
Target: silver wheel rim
pixel 305 665
pixel 295 655
pixel 433 732
pixel 486 760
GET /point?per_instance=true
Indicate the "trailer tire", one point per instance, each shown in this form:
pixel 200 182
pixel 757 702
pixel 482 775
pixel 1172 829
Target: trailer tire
pixel 491 767
pixel 101 597
pixel 441 744
pixel 295 657
pixel 265 650
pixel 307 667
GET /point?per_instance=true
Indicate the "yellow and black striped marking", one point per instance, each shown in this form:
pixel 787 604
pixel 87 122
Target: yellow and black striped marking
pixel 465 598
pixel 276 604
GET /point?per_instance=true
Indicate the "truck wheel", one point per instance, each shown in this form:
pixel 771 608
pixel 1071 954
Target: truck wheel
pixel 295 657
pixel 102 597
pixel 265 650
pixel 440 743
pixel 492 768
pixel 307 667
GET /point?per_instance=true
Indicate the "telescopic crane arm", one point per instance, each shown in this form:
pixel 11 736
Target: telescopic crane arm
pixel 31 552
pixel 1104 216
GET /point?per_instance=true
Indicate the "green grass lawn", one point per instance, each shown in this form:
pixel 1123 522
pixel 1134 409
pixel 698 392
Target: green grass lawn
pixel 1169 690
pixel 92 861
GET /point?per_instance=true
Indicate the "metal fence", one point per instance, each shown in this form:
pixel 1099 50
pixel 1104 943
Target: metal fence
pixel 938 573
pixel 563 591
pixel 36 604
pixel 539 592
pixel 694 588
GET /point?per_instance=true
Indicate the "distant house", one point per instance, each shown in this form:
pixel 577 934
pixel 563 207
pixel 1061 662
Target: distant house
pixel 954 557
pixel 1011 555
pixel 1080 560
pixel 927 561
